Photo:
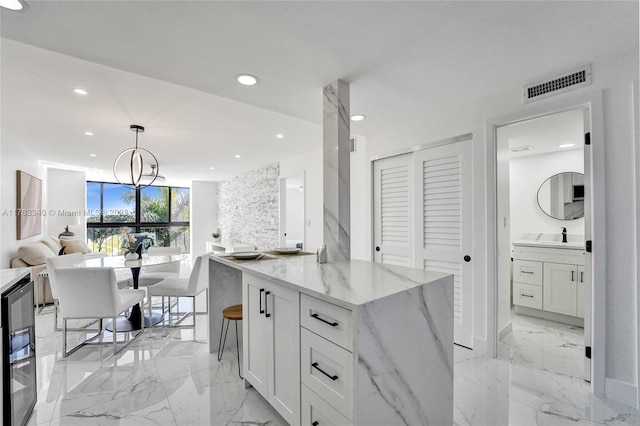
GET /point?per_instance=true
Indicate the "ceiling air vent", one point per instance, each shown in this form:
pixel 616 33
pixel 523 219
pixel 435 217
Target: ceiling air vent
pixel 564 82
pixel 521 148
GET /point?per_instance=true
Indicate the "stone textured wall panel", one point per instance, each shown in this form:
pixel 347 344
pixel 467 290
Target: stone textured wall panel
pixel 248 207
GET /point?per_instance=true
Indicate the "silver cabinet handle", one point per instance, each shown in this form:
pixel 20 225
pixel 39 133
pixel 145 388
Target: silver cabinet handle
pixel 526 295
pixel 526 272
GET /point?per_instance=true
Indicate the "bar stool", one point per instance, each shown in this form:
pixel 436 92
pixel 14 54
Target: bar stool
pixel 230 313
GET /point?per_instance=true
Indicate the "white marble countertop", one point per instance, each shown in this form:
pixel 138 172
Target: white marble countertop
pixel 8 277
pixel 352 283
pixel 550 244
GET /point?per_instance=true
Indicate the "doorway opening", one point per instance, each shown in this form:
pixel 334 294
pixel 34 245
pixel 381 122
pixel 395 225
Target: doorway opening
pixel 292 211
pixel 543 216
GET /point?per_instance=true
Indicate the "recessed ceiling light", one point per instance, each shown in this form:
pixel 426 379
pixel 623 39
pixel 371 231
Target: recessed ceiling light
pixel 92 155
pixel 521 148
pixel 237 156
pixel 212 168
pixel 279 135
pixel 11 4
pixel 88 133
pixel 358 117
pixel 80 91
pixel 247 79
pixel 566 145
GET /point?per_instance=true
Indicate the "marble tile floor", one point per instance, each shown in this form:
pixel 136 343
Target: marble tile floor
pixel 168 377
pixel 544 344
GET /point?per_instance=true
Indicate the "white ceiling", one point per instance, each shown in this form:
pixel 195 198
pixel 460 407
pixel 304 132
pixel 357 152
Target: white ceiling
pixel 170 67
pixel 545 134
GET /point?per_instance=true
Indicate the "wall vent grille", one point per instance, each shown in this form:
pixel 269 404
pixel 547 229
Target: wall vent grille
pixel 564 82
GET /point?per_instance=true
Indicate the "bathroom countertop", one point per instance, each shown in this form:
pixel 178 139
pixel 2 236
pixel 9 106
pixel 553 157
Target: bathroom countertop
pixel 550 244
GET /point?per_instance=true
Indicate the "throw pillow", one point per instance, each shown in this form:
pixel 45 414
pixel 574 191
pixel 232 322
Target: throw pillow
pixel 35 254
pixel 76 239
pixel 51 244
pixel 72 246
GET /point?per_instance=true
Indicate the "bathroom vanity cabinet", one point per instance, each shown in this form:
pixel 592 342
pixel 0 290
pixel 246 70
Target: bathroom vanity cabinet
pixel 548 277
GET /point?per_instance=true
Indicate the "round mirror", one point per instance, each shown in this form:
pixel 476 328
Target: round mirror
pixel 562 196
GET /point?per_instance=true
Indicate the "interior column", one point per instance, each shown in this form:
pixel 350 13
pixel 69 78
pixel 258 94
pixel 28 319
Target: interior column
pixel 336 171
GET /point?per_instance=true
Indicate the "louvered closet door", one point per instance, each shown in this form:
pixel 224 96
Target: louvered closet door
pixel 393 230
pixel 443 195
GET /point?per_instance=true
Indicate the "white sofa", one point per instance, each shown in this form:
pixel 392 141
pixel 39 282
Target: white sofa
pixel 34 255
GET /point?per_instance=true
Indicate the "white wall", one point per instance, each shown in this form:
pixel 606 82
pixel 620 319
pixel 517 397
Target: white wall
pixel 204 215
pixel 14 156
pixel 311 166
pixel 361 221
pixel 66 198
pixel 614 79
pixel 526 176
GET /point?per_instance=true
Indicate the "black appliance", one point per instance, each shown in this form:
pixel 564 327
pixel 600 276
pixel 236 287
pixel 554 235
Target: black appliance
pixel 18 353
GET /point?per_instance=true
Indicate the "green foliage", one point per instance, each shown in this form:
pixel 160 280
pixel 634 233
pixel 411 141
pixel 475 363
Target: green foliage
pixel 100 235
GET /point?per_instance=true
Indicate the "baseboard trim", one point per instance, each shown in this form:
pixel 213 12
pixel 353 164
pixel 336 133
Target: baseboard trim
pixel 621 392
pixel 552 316
pixel 505 330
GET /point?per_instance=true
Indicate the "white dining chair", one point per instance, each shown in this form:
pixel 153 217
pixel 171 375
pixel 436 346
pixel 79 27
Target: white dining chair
pixel 150 275
pixel 86 293
pixel 70 260
pixel 178 287
pixel 52 264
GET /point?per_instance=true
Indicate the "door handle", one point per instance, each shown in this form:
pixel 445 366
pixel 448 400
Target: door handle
pixel 571 276
pixel 266 310
pixel 581 277
pixel 261 291
pixel 467 258
pixel 377 248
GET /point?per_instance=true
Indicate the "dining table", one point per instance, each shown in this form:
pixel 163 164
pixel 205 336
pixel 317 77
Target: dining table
pixel 133 321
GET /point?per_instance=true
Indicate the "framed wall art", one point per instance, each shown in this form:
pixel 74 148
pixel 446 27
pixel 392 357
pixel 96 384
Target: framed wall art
pixel 28 205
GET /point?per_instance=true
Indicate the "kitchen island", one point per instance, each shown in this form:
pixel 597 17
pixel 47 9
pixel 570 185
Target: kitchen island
pixel 341 343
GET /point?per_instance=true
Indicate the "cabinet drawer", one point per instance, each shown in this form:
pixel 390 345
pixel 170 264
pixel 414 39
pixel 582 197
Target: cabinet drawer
pixel 328 320
pixel 526 271
pixel 316 409
pixel 527 295
pixel 327 369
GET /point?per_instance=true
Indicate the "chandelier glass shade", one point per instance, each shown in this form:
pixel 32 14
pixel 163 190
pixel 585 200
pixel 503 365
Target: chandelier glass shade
pixel 129 165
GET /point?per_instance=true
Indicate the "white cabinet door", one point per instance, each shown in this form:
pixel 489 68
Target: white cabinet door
pixel 581 289
pixel 559 288
pixel 282 312
pixel 393 227
pixel 271 326
pixel 254 327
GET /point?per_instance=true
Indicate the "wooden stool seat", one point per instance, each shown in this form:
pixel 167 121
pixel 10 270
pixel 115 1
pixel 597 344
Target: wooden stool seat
pixel 230 313
pixel 233 313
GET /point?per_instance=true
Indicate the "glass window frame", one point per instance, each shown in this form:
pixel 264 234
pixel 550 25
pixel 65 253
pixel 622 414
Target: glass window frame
pixel 136 225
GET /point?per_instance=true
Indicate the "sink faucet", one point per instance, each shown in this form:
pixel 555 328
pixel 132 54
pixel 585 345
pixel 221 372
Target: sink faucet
pixel 564 235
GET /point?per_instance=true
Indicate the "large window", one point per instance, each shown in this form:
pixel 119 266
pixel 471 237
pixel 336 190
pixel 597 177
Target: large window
pixel 161 211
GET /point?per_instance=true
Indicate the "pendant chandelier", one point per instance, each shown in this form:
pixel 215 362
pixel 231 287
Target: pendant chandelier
pixel 128 167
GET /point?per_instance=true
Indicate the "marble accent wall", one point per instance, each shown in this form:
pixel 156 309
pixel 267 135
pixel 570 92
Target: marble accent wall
pixel 336 170
pixel 248 207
